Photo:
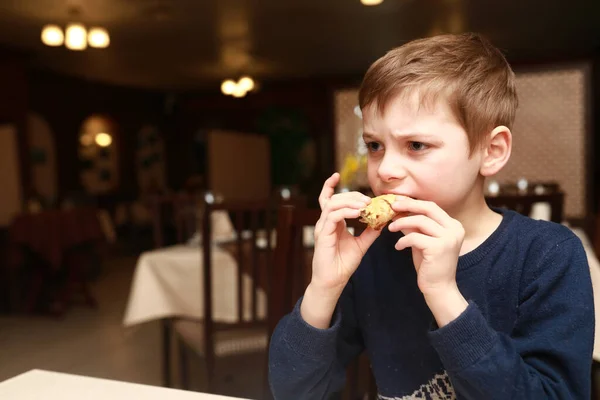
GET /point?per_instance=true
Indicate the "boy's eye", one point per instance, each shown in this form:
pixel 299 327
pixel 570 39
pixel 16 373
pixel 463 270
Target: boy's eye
pixel 417 146
pixel 373 146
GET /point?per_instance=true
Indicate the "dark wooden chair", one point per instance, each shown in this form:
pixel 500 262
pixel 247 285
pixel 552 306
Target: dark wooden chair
pixel 174 220
pixel 291 275
pixel 208 339
pixel 523 203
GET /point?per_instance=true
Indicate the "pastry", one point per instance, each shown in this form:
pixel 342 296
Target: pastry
pixel 379 211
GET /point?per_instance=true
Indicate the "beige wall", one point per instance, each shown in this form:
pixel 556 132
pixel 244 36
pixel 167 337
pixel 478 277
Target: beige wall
pixel 10 180
pixel 549 136
pixel 239 165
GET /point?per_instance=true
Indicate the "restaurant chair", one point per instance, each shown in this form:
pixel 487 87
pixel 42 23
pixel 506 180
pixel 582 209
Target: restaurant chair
pixel 251 246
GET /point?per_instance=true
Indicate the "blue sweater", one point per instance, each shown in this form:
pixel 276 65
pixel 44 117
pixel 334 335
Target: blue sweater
pixel 527 333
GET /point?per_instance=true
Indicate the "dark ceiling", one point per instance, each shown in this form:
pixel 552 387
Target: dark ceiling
pixel 188 44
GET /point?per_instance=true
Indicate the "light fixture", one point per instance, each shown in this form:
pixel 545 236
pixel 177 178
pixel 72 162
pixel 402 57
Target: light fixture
pixel 285 193
pixel 238 92
pixel 493 188
pixel 371 2
pixel 228 87
pixel 98 38
pixel 103 139
pixel 76 37
pixel 238 89
pixel 52 35
pixel 522 185
pixel 209 198
pixel 246 83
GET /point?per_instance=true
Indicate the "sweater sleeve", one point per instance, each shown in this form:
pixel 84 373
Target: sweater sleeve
pixel 309 363
pixel 548 354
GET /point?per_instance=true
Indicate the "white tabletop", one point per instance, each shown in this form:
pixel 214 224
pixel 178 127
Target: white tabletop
pixel 38 384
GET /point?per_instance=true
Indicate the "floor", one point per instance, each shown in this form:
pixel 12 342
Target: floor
pixel 94 342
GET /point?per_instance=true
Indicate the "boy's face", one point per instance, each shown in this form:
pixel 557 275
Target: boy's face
pixel 421 152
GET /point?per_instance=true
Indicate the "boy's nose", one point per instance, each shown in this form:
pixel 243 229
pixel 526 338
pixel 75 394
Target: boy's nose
pixel 391 169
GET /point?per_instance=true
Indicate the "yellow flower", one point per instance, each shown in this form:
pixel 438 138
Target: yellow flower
pixel 352 164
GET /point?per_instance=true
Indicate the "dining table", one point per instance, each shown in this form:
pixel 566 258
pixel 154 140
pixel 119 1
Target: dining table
pixel 168 282
pixel 49 385
pixel 55 243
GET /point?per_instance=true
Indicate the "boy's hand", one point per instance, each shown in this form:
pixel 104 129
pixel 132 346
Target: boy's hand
pixel 337 252
pixel 436 240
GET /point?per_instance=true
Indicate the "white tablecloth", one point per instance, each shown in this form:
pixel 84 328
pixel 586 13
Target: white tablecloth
pixel 168 283
pixel 37 384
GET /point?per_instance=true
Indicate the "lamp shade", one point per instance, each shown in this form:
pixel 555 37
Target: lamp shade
pixel 52 35
pixel 103 139
pixel 76 37
pixel 238 92
pixel 228 86
pixel 246 83
pixel 98 38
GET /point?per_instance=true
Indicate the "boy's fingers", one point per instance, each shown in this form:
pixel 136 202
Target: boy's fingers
pixel 366 239
pixel 350 200
pixel 330 223
pixel 421 207
pixel 421 223
pixel 416 240
pixel 328 189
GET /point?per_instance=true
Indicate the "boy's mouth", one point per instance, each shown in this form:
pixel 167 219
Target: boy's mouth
pixel 402 194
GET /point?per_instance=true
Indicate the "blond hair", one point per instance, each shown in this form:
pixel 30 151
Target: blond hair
pixel 466 70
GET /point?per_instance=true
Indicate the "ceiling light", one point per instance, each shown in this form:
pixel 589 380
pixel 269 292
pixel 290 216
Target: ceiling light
pixel 371 2
pixel 98 38
pixel 52 35
pixel 239 91
pixel 103 139
pixel 228 86
pixel 76 37
pixel 246 83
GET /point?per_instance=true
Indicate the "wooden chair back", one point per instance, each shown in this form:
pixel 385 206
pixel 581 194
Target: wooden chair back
pixel 251 246
pixel 174 218
pixel 523 203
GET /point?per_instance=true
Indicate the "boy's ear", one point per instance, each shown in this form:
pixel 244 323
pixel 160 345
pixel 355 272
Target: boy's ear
pixel 496 151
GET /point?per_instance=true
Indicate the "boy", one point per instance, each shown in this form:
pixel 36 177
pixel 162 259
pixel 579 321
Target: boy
pixel 456 300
